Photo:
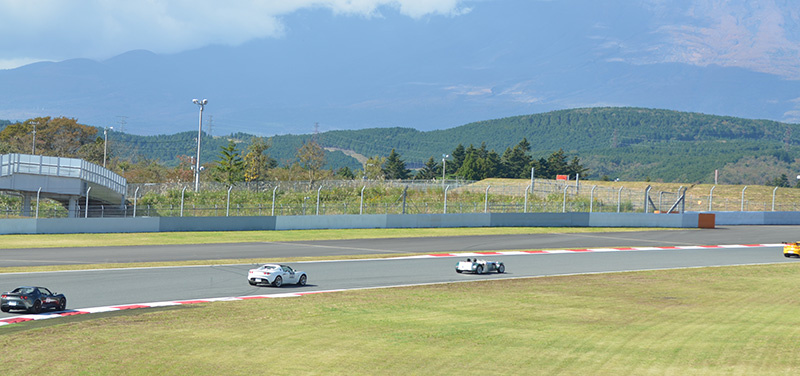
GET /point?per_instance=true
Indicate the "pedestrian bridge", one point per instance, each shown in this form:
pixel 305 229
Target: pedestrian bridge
pixel 73 182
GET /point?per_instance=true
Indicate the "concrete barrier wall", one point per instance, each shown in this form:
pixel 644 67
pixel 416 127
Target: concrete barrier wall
pixel 757 218
pixel 171 224
pixel 90 225
pixel 438 220
pixel 310 222
pixel 316 222
pixel 686 220
pixel 18 226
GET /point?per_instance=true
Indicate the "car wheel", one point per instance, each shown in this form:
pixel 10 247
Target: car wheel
pixel 479 269
pixel 787 255
pixel 501 268
pixel 62 304
pixel 251 282
pixel 5 309
pixel 37 307
pixel 278 281
pixel 303 280
pixel 459 270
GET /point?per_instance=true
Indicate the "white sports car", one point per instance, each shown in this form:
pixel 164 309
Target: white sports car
pixel 480 266
pixel 276 275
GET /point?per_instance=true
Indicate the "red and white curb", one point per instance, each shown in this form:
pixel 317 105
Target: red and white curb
pixel 83 311
pixel 517 253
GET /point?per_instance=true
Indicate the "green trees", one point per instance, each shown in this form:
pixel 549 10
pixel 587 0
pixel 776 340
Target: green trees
pixel 373 168
pixel 515 163
pixel 93 151
pixel 480 164
pixel 312 159
pixel 345 173
pixel 458 154
pixel 57 137
pixel 395 168
pixel 229 168
pixel 256 162
pixel 431 170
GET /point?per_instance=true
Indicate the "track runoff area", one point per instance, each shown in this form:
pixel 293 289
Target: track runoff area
pixel 112 308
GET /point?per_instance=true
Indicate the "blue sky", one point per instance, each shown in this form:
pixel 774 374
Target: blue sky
pixel 426 64
pixel 761 35
pixel 54 30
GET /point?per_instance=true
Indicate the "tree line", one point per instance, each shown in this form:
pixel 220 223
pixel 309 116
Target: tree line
pixel 65 137
pixel 624 143
pixel 479 163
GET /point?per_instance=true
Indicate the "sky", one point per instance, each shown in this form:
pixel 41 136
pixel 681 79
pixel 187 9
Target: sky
pixel 760 35
pixel 56 30
pixel 417 63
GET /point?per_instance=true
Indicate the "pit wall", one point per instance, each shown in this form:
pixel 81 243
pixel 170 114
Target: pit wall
pixel 312 222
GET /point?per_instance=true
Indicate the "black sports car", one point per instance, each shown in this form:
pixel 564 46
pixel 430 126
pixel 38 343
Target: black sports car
pixel 32 299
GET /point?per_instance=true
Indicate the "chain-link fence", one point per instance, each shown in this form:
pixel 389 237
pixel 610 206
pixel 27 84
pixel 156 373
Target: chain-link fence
pixel 397 197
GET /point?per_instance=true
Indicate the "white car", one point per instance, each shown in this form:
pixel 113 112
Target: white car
pixel 480 266
pixel 276 275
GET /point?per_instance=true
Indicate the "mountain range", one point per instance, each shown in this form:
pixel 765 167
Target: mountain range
pixel 502 59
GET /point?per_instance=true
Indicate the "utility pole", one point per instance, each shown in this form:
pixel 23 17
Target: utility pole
pixel 33 145
pixel 105 144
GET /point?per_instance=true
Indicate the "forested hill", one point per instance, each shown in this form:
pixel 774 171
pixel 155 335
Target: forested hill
pixel 626 143
pixel 629 143
pixel 572 130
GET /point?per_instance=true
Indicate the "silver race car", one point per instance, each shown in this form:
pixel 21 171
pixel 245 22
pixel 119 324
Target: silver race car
pixel 276 275
pixel 480 266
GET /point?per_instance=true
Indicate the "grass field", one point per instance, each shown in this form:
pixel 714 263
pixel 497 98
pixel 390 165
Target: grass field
pixel 711 321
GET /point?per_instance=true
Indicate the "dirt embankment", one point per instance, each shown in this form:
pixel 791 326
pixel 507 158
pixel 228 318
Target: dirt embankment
pixel 360 158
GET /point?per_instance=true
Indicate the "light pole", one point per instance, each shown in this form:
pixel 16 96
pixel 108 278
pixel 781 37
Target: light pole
pixel 444 165
pixel 202 104
pixel 105 144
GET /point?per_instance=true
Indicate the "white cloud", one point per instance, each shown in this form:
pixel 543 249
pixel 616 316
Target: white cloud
pixel 33 30
pixel 469 90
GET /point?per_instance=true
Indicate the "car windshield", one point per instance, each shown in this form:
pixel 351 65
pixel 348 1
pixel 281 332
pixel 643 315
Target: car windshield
pixel 23 290
pixel 268 267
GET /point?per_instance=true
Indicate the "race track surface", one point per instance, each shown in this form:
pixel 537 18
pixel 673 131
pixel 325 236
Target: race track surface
pixel 132 286
pixel 126 254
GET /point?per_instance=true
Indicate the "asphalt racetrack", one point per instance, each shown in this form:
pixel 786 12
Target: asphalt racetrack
pixel 95 288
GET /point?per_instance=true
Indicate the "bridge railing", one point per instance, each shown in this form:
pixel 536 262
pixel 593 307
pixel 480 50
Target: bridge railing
pixel 62 167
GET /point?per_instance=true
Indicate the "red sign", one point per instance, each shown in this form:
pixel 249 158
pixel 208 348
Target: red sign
pixel 562 177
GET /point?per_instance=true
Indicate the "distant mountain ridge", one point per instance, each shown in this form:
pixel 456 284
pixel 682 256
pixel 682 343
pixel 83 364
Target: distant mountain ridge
pixel 629 143
pixel 502 59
